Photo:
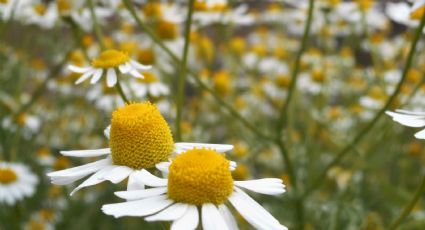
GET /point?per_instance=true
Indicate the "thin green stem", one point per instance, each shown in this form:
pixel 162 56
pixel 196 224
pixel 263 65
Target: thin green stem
pixel 409 207
pixel 182 76
pixel 371 124
pixel 193 75
pixel 121 92
pixel 294 76
pixel 96 27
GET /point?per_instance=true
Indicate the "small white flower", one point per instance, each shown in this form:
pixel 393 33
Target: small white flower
pixel 109 62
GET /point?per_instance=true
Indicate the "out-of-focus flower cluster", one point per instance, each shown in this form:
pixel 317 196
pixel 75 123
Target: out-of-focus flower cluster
pixel 242 55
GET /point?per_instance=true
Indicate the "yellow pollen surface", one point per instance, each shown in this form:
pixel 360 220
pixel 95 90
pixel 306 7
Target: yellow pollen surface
pixel 417 14
pixel 200 176
pixel 140 137
pixel 110 59
pixel 7 176
pixel 146 56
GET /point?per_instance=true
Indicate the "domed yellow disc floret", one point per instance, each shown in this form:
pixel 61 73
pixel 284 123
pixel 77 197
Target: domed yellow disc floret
pixel 140 136
pixel 200 176
pixel 7 176
pixel 110 59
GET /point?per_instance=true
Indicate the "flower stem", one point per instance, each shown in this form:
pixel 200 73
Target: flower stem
pixel 96 27
pixel 182 76
pixel 294 76
pixel 317 182
pixel 121 92
pixel 409 207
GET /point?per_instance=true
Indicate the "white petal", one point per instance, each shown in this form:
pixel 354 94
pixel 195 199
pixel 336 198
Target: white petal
pixel 212 219
pixel 124 68
pixel 77 69
pixel 254 213
pixel 408 119
pixel 111 77
pixel 184 146
pixel 92 180
pixel 134 184
pixel 410 112
pixel 189 220
pixel 228 217
pixel 141 194
pixel 118 174
pixel 139 66
pixel 270 186
pixel 150 180
pixel 86 153
pixel 171 213
pixel 96 76
pixel 163 166
pixel 420 134
pixel 137 208
pixel 80 171
pixel 85 76
pixel 136 74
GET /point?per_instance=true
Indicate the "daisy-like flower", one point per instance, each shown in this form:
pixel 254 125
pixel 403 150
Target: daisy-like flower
pixel 16 182
pixel 109 62
pixel 139 138
pixel 410 119
pixel 199 180
pixel 418 9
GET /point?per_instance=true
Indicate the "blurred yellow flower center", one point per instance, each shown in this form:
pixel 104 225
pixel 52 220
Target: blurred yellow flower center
pixel 166 30
pixel 146 56
pixel 152 10
pixel 4 1
pixel 7 176
pixel 417 14
pixel 140 136
pixel 222 82
pixel 40 9
pixel 63 6
pixel 200 176
pixel 110 59
pixel 365 4
pixel 149 78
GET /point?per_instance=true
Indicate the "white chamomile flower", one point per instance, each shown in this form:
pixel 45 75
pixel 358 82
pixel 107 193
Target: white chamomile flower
pixel 418 7
pixel 150 85
pixel 16 182
pixel 410 119
pixel 109 62
pixel 139 138
pixel 199 183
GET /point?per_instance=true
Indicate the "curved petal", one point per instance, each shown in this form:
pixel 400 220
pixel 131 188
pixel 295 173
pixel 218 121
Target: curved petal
pixel 77 69
pixel 96 76
pixel 118 174
pixel 141 194
pixel 228 217
pixel 150 180
pixel 269 186
pixel 111 77
pixel 212 219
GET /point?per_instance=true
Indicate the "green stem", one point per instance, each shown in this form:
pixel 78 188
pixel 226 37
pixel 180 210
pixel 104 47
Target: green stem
pixel 182 76
pixel 294 76
pixel 370 125
pixel 193 75
pixel 121 92
pixel 97 30
pixel 409 207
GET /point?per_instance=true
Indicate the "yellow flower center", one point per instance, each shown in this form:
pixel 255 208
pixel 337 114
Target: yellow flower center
pixel 4 1
pixel 222 82
pixel 166 30
pixel 63 6
pixel 364 4
pixel 152 10
pixel 140 136
pixel 149 78
pixel 200 176
pixel 417 14
pixel 146 56
pixel 283 81
pixel 7 176
pixel 40 9
pixel 110 59
pixel 318 76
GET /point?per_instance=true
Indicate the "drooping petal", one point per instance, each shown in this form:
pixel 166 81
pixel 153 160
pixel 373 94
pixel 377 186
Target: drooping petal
pixel 85 76
pixel 228 217
pixel 111 77
pixel 96 76
pixel 118 174
pixel 150 180
pixel 269 186
pixel 77 69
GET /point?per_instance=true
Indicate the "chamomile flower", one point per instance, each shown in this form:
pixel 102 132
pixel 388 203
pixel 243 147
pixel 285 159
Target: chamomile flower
pixel 410 119
pixel 139 138
pixel 199 180
pixel 109 62
pixel 16 182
